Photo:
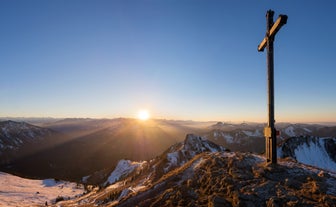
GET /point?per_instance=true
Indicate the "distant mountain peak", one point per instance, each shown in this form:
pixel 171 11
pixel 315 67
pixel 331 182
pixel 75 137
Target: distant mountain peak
pixel 14 133
pixel 19 138
pixel 200 144
pixel 182 152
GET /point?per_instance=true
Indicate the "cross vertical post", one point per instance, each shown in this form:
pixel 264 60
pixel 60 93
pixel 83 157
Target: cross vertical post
pixel 270 141
pixel 270 132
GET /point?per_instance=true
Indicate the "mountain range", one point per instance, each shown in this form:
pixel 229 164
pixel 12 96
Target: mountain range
pixel 71 149
pixel 153 163
pixel 89 145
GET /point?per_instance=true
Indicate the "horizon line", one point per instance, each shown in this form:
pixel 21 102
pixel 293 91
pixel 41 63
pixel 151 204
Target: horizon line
pixel 168 119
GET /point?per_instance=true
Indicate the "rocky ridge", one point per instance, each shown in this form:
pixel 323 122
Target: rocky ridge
pixel 211 176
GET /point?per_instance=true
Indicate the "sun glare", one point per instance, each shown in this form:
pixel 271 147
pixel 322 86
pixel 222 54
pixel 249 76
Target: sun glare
pixel 143 115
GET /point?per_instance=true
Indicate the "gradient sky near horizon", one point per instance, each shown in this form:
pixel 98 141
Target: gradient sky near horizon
pixel 189 59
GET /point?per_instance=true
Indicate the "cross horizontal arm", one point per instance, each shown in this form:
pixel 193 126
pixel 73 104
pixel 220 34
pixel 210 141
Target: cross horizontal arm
pixel 282 19
pixel 262 45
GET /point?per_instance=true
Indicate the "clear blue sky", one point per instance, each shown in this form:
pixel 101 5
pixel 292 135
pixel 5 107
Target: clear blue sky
pixel 189 59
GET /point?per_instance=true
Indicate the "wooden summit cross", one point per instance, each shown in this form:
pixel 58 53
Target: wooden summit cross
pixel 270 132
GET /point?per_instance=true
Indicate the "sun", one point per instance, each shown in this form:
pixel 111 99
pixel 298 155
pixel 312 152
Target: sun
pixel 143 115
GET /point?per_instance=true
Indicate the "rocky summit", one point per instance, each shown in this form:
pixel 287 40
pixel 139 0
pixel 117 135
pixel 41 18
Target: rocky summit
pixel 214 177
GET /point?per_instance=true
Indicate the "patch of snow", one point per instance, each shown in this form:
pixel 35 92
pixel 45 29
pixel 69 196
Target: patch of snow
pixel 228 138
pixel 256 133
pixel 259 158
pixel 228 154
pixel 172 160
pixel 172 157
pixel 279 152
pixel 85 178
pixel 124 193
pixel 16 191
pixel 290 131
pixel 316 155
pixel 124 167
pixel 129 190
pixel 198 163
pixel 206 144
pixel 307 130
pixel 49 183
pixel 193 143
pixel 5 131
pixel 15 142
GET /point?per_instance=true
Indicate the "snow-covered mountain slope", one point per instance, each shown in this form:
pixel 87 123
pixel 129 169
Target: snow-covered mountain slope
pixel 16 191
pixel 124 168
pixel 237 137
pixel 318 152
pixel 205 175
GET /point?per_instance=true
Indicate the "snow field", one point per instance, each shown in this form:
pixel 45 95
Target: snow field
pixel 16 191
